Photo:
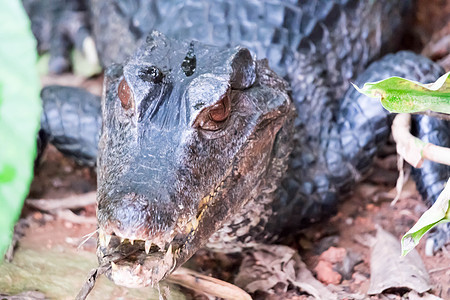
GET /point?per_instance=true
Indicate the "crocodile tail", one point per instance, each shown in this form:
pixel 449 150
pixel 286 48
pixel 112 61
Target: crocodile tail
pixel 71 121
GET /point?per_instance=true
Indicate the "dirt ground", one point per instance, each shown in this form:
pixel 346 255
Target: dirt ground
pixel 370 205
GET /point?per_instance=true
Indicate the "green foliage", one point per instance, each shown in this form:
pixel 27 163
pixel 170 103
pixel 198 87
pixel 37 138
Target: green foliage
pixel 400 95
pixel 437 214
pixel 20 110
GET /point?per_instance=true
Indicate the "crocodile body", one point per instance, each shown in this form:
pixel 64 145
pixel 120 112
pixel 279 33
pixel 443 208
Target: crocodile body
pixel 167 174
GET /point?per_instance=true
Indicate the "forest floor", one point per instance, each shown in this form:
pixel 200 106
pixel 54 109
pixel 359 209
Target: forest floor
pixel 350 232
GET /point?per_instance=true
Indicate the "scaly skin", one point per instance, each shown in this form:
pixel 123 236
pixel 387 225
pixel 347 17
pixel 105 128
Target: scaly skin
pixel 72 125
pixel 162 153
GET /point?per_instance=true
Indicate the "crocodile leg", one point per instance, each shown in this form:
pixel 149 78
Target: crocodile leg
pixel 347 146
pixel 71 121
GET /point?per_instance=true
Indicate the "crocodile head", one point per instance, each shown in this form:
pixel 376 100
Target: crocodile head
pixel 188 134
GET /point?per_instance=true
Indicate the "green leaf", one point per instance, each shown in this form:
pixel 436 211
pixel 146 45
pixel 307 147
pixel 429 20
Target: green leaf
pixel 437 214
pixel 20 110
pixel 400 95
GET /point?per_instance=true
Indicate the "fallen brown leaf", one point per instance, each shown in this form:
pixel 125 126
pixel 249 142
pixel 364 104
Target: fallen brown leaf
pixel 272 268
pixel 390 270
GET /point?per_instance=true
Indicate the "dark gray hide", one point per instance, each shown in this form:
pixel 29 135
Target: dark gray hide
pixel 164 163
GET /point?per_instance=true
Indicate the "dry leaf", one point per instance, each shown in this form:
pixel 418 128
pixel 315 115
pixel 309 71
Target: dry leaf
pixel 390 270
pixel 272 268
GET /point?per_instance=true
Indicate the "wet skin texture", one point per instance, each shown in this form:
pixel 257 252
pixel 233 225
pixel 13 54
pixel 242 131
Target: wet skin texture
pixel 192 149
pixel 201 145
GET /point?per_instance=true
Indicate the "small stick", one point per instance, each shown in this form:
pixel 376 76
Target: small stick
pixel 187 278
pixel 90 281
pixel 207 285
pixel 439 269
pixel 68 215
pixel 72 202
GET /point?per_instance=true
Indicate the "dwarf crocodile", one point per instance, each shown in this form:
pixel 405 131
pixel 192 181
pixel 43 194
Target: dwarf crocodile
pixel 228 123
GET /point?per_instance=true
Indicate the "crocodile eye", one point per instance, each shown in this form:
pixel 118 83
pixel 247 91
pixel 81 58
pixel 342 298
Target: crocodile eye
pixel 125 94
pixel 213 117
pixel 220 111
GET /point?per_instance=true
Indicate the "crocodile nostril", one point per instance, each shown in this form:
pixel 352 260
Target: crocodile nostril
pixel 151 74
pixel 125 94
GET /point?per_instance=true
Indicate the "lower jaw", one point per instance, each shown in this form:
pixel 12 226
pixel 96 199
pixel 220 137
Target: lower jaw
pixel 131 266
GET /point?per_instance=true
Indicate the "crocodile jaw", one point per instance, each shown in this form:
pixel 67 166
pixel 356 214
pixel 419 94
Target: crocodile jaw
pixel 134 263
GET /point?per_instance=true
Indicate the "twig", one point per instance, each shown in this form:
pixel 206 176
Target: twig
pixel 68 215
pixel 439 269
pixel 207 285
pixel 72 202
pixel 19 232
pixel 90 281
pixel 412 149
pixel 402 179
pixel 187 278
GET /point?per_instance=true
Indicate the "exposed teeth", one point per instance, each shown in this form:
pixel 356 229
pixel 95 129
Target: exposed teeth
pixel 168 253
pixel 148 244
pixel 131 241
pixel 122 240
pixel 138 269
pixel 103 238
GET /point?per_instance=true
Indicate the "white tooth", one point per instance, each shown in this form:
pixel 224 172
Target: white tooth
pixel 168 253
pixel 101 238
pixel 114 267
pixel 122 240
pixel 107 239
pixel 138 268
pixel 131 241
pixel 148 244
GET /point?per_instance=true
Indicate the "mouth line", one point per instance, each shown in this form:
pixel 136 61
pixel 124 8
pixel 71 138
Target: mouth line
pixel 113 240
pixel 137 262
pixel 212 197
pixel 186 229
